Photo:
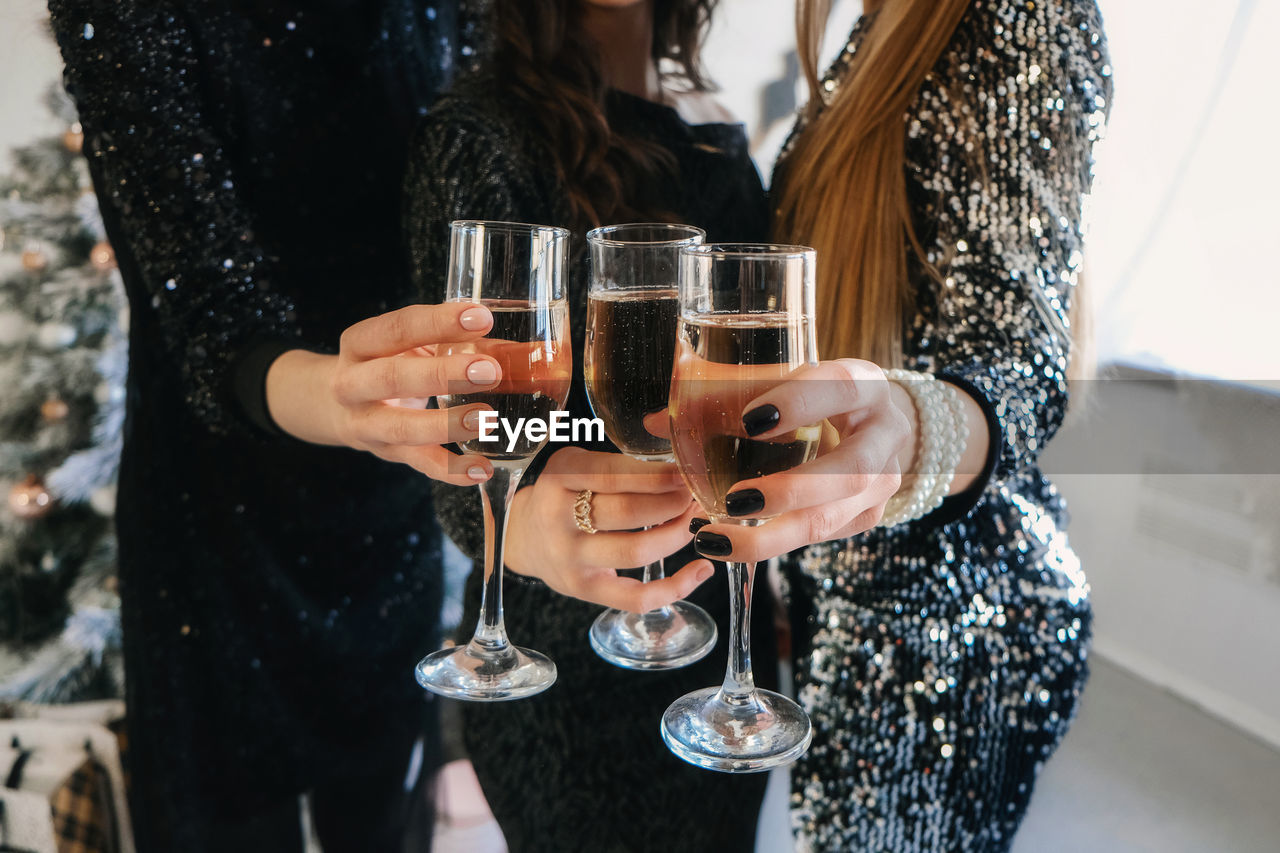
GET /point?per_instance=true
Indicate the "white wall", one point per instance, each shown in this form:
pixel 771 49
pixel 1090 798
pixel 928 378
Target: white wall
pixel 1174 491
pixel 29 62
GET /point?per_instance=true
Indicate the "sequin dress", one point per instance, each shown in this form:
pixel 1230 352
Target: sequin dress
pixel 941 661
pixel 248 159
pixel 582 766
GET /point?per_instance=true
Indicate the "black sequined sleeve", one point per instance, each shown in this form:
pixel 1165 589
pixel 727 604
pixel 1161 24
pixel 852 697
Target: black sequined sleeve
pixel 1001 142
pixel 169 195
pixel 461 166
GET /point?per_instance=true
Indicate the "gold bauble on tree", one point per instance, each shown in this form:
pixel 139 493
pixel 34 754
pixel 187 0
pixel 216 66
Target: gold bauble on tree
pixel 34 259
pixel 54 409
pixel 73 139
pixel 30 499
pixel 102 256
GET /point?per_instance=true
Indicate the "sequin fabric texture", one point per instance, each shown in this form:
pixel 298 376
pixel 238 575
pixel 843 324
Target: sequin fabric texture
pixel 942 664
pixel 248 159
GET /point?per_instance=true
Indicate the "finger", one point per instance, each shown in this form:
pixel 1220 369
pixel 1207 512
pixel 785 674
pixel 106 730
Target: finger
pixel 866 461
pixel 395 425
pixel 415 326
pixel 631 594
pixel 410 376
pixel 786 533
pixel 633 549
pixel 832 389
pixel 658 424
pixel 439 464
pixel 577 469
pixel 634 511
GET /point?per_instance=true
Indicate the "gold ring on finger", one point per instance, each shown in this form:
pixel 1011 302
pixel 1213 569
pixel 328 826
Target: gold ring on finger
pixel 582 512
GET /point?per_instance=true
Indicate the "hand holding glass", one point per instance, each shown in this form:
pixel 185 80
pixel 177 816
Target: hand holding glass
pixel 746 323
pixel 518 272
pixel 631 330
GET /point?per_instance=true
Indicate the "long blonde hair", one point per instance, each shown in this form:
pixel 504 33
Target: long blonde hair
pixel 844 187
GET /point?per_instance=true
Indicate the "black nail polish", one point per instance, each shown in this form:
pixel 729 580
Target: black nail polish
pixel 744 502
pixel 761 419
pixel 710 544
pixel 696 524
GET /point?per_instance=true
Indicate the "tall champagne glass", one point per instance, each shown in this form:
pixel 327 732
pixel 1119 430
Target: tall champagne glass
pixel 746 322
pixel 518 272
pixel 631 333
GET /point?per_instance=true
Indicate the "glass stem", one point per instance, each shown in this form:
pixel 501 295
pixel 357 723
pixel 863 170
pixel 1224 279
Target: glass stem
pixel 495 495
pixel 739 684
pixel 654 571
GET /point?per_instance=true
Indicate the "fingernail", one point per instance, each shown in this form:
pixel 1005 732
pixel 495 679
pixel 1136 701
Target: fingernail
pixel 744 502
pixel 471 420
pixel 761 419
pixel 477 472
pixel 710 544
pixel 705 573
pixel 696 524
pixel 475 319
pixel 482 372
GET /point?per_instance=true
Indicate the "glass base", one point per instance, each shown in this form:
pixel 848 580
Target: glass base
pixel 667 638
pixel 483 674
pixel 707 729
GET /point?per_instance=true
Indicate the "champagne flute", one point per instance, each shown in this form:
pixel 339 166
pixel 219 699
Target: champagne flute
pixel 631 331
pixel 746 322
pixel 518 272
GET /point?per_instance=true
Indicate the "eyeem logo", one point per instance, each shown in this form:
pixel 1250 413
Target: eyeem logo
pixel 559 428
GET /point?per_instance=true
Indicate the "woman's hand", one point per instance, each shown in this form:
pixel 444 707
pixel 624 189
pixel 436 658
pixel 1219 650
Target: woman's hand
pixel 368 396
pixel 841 493
pixel 544 541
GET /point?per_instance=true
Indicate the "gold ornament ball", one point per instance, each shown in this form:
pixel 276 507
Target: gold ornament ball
pixel 30 499
pixel 73 139
pixel 102 256
pixel 34 260
pixel 54 409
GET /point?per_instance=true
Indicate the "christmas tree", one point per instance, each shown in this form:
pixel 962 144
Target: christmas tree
pixel 63 355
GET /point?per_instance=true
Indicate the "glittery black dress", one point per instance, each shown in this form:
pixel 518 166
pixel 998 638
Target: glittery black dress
pixel 942 660
pixel 582 766
pixel 249 161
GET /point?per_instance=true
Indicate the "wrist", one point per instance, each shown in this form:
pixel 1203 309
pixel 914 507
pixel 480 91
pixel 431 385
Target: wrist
pixel 300 398
pixel 513 556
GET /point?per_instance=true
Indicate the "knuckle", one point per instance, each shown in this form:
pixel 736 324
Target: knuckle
pixel 340 386
pixel 434 378
pixel 824 523
pixel 347 339
pixel 565 459
pixel 846 369
pixel 861 466
pixel 388 377
pixel 633 554
pixel 397 327
pixel 400 430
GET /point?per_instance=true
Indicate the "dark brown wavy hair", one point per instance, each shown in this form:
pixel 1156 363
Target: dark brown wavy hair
pixel 551 67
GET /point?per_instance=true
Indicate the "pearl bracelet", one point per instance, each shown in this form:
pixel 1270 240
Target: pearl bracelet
pixel 943 435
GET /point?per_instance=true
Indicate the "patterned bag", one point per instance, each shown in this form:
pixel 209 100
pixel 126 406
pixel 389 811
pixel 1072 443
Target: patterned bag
pixel 68 759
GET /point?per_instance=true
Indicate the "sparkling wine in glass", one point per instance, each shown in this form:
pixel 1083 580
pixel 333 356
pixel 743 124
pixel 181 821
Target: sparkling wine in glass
pixel 746 323
pixel 631 331
pixel 518 272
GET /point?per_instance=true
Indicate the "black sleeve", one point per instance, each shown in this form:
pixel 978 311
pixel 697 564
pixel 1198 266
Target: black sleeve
pixel 171 202
pixel 1025 90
